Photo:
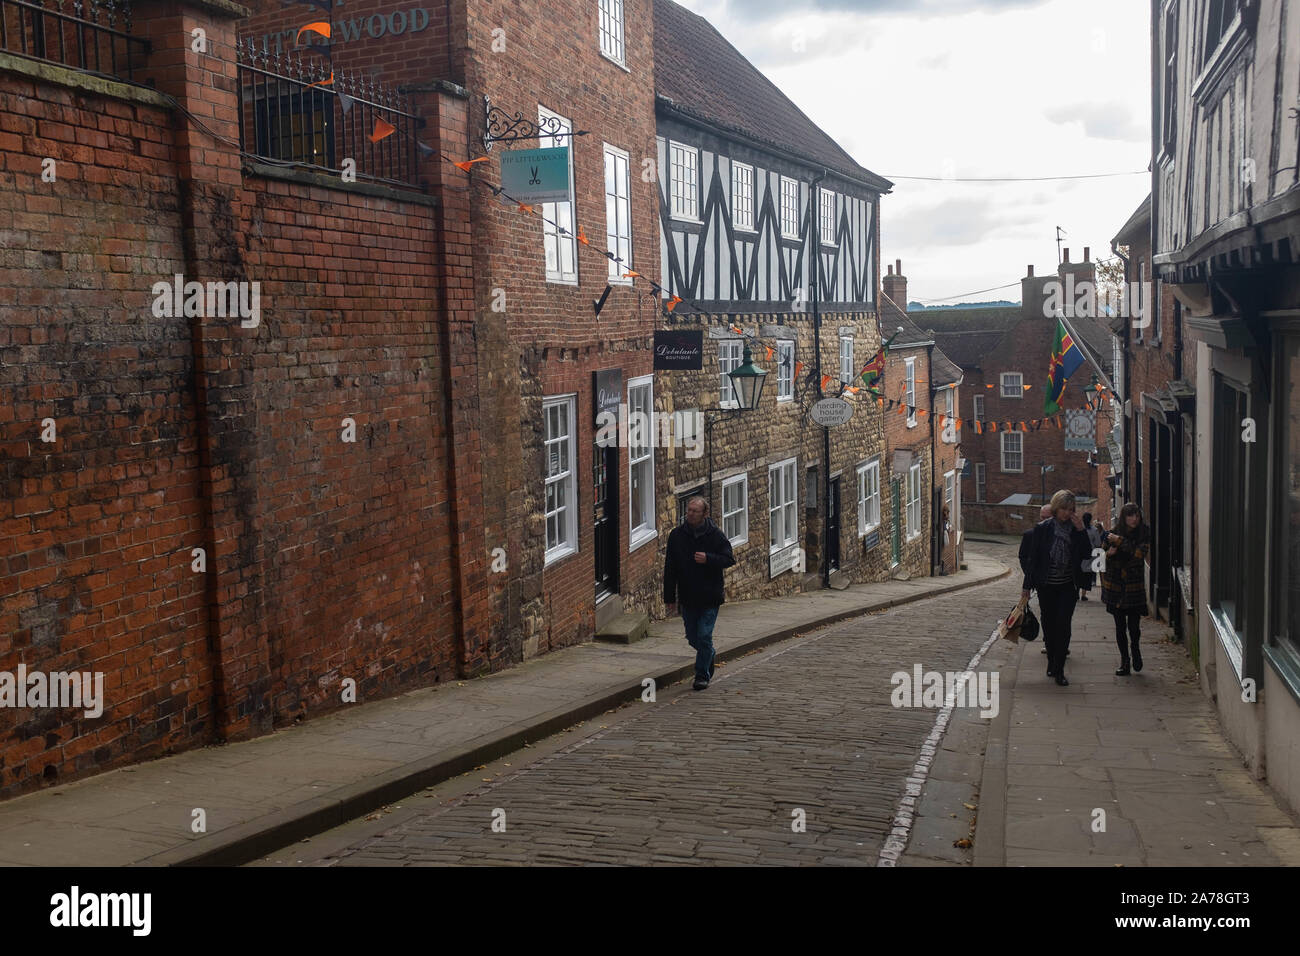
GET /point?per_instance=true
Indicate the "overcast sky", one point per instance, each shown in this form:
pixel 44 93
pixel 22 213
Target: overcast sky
pixel 969 88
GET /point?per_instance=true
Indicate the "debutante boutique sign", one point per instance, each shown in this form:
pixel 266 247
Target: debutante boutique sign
pixel 679 350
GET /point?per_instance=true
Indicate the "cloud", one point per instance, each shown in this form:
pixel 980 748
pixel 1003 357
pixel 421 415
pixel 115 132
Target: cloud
pixel 1111 121
pixel 764 9
pixel 956 222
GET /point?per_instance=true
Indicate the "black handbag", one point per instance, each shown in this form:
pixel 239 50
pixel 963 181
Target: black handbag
pixel 1029 627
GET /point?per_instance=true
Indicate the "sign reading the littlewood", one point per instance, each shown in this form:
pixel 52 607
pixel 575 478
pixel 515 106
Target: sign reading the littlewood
pixel 831 412
pixel 536 175
pixel 679 350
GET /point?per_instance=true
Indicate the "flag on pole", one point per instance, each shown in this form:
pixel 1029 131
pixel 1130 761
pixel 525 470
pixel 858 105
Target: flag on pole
pixel 1065 361
pixel 873 371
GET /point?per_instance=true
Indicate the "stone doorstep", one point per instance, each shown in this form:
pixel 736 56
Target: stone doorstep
pixel 626 628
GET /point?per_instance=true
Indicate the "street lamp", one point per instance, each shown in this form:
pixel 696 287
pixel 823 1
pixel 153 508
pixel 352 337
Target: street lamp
pixel 747 383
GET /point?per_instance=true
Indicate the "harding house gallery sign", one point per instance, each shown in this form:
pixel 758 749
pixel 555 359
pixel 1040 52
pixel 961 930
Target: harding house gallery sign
pixel 374 26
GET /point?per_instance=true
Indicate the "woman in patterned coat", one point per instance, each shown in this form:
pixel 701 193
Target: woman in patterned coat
pixel 1123 585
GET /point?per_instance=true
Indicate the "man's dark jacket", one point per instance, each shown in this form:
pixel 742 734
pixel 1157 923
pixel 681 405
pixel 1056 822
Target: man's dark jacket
pixel 689 583
pixel 1036 554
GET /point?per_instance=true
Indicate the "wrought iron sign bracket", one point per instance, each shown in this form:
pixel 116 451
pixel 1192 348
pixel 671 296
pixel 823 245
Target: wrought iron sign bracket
pixel 502 127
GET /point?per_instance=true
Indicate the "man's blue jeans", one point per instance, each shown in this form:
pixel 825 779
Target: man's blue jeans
pixel 699 623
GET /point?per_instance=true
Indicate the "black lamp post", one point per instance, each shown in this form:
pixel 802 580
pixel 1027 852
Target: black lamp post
pixel 747 382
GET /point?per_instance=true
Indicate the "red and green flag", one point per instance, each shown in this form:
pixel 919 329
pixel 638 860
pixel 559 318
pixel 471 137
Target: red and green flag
pixel 1065 361
pixel 874 371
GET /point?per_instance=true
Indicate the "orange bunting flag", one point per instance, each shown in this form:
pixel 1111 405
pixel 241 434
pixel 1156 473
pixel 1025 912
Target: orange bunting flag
pixel 853 389
pixel 825 380
pixel 978 429
pixel 922 411
pixel 990 385
pixel 737 329
pixel 1058 421
pixel 1027 387
pixel 902 409
pixel 674 302
pixel 321 27
pixel 524 207
pixel 322 82
pixel 880 402
pixel 1023 428
pixel 769 355
pixel 798 369
pixel 993 426
pixel 959 424
pixel 582 238
pixel 942 418
pixel 382 130
pixel 632 275
pixel 467 164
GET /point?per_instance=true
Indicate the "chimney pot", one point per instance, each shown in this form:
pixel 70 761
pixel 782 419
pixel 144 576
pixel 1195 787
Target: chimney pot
pixel 898 267
pixel 1086 251
pixel 1031 272
pixel 891 270
pixel 1067 255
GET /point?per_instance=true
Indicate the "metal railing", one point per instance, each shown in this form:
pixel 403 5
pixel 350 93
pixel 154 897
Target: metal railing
pixel 287 116
pixel 88 35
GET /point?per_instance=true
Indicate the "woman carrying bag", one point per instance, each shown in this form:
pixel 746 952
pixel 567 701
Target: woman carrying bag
pixel 1123 585
pixel 1056 553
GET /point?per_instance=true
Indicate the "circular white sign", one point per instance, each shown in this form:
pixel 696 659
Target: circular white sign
pixel 831 412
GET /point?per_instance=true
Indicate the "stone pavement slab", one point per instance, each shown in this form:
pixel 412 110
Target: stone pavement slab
pixel 265 793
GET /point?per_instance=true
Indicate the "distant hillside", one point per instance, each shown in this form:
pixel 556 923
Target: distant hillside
pixel 918 307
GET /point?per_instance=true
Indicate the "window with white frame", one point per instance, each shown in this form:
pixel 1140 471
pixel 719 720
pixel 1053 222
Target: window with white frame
pixel 742 196
pixel 914 501
pixel 789 207
pixel 1013 459
pixel 782 505
pixel 684 181
pixel 735 509
pixel 640 459
pixel 826 216
pixel 784 370
pixel 561 491
pixel 947 400
pixel 1013 385
pixel 558 232
pixel 980 470
pixel 618 212
pixel 909 390
pixel 868 497
pixel 977 407
pixel 846 358
pixel 611 29
pixel 729 354
pixel 949 483
pixel 1117 362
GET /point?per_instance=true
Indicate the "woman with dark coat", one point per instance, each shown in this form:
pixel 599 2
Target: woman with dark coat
pixel 1055 556
pixel 1123 585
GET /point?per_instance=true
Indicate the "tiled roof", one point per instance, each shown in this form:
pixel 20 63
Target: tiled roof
pixel 943 370
pixel 1136 224
pixel 967 335
pixel 702 76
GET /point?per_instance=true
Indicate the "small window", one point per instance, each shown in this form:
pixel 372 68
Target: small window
pixel 826 216
pixel 742 196
pixel 789 207
pixel 618 213
pixel 782 508
pixel 1013 385
pixel 909 390
pixel 640 458
pixel 611 29
pixel 729 355
pixel 561 487
pixel 784 370
pixel 735 509
pixel 1013 451
pixel 914 501
pixel 979 480
pixel 948 400
pixel 558 232
pixel 846 358
pixel 868 497
pixel 977 407
pixel 684 181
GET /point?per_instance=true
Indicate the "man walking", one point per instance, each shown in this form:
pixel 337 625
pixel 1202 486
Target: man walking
pixel 1026 551
pixel 698 552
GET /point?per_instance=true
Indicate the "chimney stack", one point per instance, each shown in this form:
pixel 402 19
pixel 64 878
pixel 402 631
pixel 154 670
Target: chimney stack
pixel 1066 253
pixel 1086 251
pixel 895 285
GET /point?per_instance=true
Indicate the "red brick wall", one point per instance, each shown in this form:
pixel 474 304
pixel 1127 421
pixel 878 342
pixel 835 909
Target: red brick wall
pixel 325 559
pixel 96 528
pixel 898 436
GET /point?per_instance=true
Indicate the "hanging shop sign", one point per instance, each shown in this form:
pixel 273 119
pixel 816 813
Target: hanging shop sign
pixel 1080 429
pixel 679 350
pixel 606 393
pixel 536 175
pixel 830 412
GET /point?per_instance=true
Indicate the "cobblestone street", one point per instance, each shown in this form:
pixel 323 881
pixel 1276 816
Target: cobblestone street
pixel 717 776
